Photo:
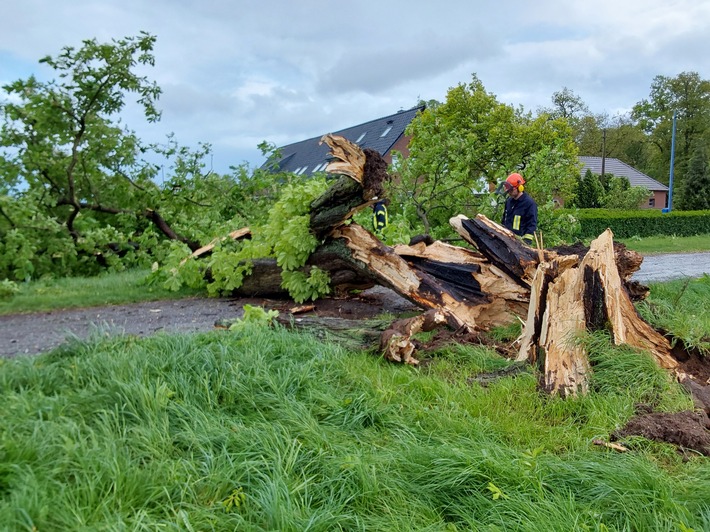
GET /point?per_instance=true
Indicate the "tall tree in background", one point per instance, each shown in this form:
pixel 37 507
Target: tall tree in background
pixel 693 191
pixel 599 134
pixel 688 95
pixel 470 141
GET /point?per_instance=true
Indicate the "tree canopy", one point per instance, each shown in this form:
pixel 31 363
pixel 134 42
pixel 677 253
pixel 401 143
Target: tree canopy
pixel 465 146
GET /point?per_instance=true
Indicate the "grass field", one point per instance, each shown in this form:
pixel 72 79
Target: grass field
pixel 73 292
pixel 266 429
pixel 262 429
pixel 668 244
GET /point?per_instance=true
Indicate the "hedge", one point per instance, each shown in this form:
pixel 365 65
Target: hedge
pixel 647 222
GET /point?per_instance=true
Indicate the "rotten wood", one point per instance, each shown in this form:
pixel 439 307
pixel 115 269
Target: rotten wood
pixel 602 279
pixel 500 246
pixel 421 288
pixel 354 334
pixel 568 299
pixel 360 185
pixel 497 298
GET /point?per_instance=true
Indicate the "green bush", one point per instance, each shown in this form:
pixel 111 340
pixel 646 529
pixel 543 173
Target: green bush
pixel 650 222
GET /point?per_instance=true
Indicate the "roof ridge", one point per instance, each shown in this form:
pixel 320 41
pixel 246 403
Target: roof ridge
pixel 318 137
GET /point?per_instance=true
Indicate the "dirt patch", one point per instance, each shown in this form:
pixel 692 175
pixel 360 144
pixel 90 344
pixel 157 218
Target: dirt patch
pixel 687 430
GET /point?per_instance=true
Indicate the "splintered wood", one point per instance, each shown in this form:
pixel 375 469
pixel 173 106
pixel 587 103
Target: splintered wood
pixel 567 300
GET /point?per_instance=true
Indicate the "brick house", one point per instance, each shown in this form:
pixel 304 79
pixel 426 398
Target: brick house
pixel 659 191
pixel 384 135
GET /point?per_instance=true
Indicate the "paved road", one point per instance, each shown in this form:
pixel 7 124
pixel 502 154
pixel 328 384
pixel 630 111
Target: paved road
pixel 672 266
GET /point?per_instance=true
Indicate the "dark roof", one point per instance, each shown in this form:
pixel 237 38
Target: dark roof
pixel 307 156
pixel 620 169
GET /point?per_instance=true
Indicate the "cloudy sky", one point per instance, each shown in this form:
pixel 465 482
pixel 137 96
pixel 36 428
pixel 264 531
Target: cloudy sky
pixel 237 72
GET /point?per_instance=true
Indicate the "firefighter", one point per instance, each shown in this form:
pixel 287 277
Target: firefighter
pixel 520 214
pixel 379 215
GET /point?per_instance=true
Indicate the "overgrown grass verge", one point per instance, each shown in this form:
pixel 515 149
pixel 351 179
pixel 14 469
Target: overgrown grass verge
pixel 667 244
pixel 681 306
pixel 75 292
pixel 261 429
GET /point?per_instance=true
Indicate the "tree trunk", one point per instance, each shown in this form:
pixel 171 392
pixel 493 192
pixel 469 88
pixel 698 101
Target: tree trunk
pixel 567 300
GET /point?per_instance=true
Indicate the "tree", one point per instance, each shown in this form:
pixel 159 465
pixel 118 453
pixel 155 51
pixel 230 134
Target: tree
pixel 694 189
pixel 566 104
pixel 79 193
pixel 619 194
pixel 688 95
pixel 470 142
pixel 590 192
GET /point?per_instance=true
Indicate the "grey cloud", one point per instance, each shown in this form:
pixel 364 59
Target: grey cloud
pixel 376 70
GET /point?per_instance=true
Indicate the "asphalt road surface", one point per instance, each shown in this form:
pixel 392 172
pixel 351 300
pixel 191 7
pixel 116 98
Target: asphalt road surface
pixel 670 266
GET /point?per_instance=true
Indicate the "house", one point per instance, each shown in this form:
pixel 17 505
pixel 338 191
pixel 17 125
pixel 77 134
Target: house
pixel 384 135
pixel 659 191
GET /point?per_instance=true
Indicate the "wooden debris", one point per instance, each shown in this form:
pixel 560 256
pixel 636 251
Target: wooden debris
pixel 608 302
pixel 301 309
pixel 500 246
pixel 238 234
pixel 609 445
pixel 561 294
pixel 348 158
pixel 567 300
pixel 396 342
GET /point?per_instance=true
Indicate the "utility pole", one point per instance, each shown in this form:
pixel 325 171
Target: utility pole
pixel 670 180
pixel 603 152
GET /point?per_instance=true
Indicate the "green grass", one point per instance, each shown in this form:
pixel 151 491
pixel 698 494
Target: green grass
pixel 261 429
pixel 682 307
pixel 74 292
pixel 668 244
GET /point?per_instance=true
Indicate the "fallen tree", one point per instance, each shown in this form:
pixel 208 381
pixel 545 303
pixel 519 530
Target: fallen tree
pixel 558 294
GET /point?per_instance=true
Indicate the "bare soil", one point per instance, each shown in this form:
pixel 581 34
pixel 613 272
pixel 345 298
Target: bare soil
pixel 28 334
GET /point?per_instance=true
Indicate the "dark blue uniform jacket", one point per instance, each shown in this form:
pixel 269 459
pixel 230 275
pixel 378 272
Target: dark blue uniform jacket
pixel 520 216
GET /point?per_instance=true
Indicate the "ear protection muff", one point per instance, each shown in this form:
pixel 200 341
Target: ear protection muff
pixel 521 188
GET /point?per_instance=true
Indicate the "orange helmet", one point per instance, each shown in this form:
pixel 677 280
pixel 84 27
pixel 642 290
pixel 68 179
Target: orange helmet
pixel 514 181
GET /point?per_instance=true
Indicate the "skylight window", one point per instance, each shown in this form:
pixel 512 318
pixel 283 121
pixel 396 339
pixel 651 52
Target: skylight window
pixel 303 170
pixel 361 137
pixel 384 133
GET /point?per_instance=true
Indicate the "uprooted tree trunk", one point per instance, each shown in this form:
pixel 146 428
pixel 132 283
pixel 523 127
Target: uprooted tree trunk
pixel 569 295
pixel 569 299
pixel 560 293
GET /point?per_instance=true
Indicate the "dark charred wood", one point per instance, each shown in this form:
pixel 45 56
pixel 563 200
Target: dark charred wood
pixel 374 174
pixel 502 249
pixel 460 279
